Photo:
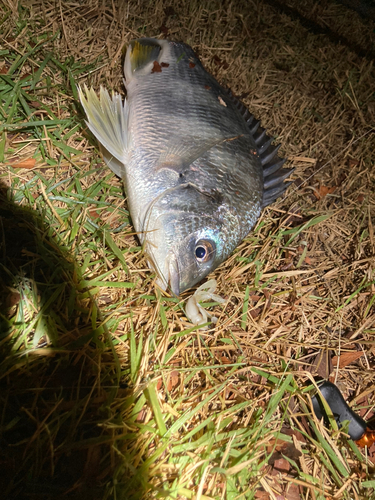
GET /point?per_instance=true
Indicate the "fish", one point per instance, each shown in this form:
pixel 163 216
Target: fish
pixel 197 166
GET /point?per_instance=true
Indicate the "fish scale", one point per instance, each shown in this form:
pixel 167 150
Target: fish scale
pixel 196 165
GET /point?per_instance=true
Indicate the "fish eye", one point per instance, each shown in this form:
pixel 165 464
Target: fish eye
pixel 204 251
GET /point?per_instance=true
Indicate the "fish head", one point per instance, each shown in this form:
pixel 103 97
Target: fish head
pixel 189 233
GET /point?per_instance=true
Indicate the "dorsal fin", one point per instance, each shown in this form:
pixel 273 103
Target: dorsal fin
pixel 274 174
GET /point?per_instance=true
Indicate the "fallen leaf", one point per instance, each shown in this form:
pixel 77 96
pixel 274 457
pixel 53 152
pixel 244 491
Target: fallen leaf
pixel 223 359
pixel 353 163
pixel 221 63
pixel 191 65
pixel 323 191
pixel 292 432
pixel 360 198
pixel 282 448
pixel 308 261
pixel 346 358
pixel 292 492
pixel 173 380
pixel 28 163
pixel 35 104
pixel 141 415
pixel 364 402
pixel 156 68
pixel 281 465
pixel 164 65
pixel 94 214
pixel 254 313
pixel 321 365
pixel 207 87
pixel 262 495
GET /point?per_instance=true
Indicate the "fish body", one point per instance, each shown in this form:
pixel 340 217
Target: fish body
pixel 196 165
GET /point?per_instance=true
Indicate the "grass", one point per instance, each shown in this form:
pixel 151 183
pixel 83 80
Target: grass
pixel 106 389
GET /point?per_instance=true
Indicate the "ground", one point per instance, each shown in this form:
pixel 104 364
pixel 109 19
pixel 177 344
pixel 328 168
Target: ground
pixel 106 389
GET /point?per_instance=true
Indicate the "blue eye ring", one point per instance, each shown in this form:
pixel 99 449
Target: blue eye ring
pixel 204 251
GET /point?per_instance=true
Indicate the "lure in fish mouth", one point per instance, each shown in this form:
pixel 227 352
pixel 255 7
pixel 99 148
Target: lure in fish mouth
pixel 196 165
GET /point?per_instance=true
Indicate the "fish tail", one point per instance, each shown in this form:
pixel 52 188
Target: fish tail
pixel 108 121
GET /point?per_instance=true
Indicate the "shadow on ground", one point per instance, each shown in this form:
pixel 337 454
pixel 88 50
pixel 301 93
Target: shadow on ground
pixel 57 381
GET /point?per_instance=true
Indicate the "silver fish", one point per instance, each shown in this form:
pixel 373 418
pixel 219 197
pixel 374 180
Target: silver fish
pixel 197 166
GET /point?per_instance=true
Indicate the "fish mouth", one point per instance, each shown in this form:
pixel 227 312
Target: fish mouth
pixel 172 270
pixel 169 276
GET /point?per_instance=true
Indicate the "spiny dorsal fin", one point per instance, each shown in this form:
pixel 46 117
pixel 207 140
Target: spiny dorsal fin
pixel 274 174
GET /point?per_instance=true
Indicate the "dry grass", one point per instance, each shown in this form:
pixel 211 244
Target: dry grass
pixel 106 390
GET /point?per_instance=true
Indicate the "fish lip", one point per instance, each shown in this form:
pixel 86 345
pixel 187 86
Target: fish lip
pixel 173 273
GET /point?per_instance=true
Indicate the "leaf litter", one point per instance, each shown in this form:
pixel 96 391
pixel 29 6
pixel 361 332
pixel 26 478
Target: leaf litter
pixel 107 391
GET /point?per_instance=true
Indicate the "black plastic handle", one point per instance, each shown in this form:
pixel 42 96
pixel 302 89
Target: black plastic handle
pixel 340 410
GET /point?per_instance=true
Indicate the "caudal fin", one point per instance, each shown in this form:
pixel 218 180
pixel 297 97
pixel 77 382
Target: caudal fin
pixel 108 121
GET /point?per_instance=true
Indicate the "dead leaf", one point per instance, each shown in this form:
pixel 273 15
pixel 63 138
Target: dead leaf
pixel 173 380
pixel 292 432
pixel 29 163
pixel 364 403
pixel 94 214
pixel 254 313
pixel 292 492
pixel 323 191
pixel 35 104
pixel 221 63
pixel 308 261
pixel 156 68
pixel 262 495
pixel 282 448
pixel 346 358
pixel 353 163
pixel 164 65
pixel 322 364
pixel 191 65
pixel 281 465
pixel 141 415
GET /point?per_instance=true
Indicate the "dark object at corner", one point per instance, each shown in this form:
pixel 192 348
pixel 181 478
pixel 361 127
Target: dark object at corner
pixel 340 409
